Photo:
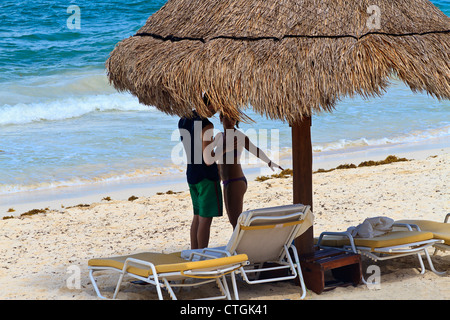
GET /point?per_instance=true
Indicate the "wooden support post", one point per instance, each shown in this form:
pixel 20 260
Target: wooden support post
pixel 302 177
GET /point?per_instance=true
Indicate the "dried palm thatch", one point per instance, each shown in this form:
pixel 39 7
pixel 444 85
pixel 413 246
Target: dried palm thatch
pixel 285 58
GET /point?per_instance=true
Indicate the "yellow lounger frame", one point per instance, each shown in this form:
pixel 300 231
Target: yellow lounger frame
pixel 163 275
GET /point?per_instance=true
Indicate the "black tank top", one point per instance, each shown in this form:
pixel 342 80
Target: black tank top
pixel 197 170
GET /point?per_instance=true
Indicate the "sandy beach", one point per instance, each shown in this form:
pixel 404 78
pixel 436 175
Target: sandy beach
pixel 42 253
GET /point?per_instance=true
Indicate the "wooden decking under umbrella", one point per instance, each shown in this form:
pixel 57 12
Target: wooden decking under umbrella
pixel 285 59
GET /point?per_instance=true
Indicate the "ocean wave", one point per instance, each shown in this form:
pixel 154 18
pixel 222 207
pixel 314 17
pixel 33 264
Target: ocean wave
pixel 410 137
pixel 64 83
pixel 345 145
pixel 67 108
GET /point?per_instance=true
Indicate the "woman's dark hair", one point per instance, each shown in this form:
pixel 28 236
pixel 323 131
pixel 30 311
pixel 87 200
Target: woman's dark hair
pixel 237 121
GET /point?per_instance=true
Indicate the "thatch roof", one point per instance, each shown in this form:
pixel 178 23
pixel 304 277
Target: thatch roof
pixel 286 58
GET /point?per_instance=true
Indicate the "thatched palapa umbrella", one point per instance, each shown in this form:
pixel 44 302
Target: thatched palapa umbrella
pixel 286 59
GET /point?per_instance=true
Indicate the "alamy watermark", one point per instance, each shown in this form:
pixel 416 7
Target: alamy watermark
pixel 73 281
pixel 74 21
pixel 259 143
pixel 374 20
pixel 184 153
pixel 373 282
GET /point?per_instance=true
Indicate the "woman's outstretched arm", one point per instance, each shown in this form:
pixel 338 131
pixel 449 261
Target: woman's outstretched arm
pixel 260 154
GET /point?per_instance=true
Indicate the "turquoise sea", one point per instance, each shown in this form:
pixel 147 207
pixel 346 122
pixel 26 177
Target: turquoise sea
pixel 62 125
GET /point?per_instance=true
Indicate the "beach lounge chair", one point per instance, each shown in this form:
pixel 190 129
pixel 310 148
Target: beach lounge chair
pixel 391 245
pixel 266 236
pixel 440 230
pixel 161 270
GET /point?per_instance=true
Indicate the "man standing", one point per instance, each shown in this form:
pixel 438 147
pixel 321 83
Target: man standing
pixel 203 179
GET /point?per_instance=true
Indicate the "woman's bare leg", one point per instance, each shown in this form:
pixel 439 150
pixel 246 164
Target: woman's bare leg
pixel 234 200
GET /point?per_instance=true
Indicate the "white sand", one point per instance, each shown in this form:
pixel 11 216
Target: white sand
pixel 39 253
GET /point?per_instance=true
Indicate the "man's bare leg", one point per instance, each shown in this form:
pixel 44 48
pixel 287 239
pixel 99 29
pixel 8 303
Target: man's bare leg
pixel 200 232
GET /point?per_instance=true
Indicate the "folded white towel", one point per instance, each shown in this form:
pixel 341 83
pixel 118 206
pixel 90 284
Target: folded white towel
pixel 372 227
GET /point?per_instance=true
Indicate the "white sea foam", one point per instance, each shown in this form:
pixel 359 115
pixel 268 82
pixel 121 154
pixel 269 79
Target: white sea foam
pixel 410 137
pixel 67 108
pixel 61 96
pixel 64 83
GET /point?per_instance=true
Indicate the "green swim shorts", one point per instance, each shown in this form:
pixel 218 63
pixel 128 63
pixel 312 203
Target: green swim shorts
pixel 207 198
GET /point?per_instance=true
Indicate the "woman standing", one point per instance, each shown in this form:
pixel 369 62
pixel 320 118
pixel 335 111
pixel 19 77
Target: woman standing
pixel 228 147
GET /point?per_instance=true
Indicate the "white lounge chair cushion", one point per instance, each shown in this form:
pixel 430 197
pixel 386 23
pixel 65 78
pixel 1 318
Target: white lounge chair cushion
pixel 266 244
